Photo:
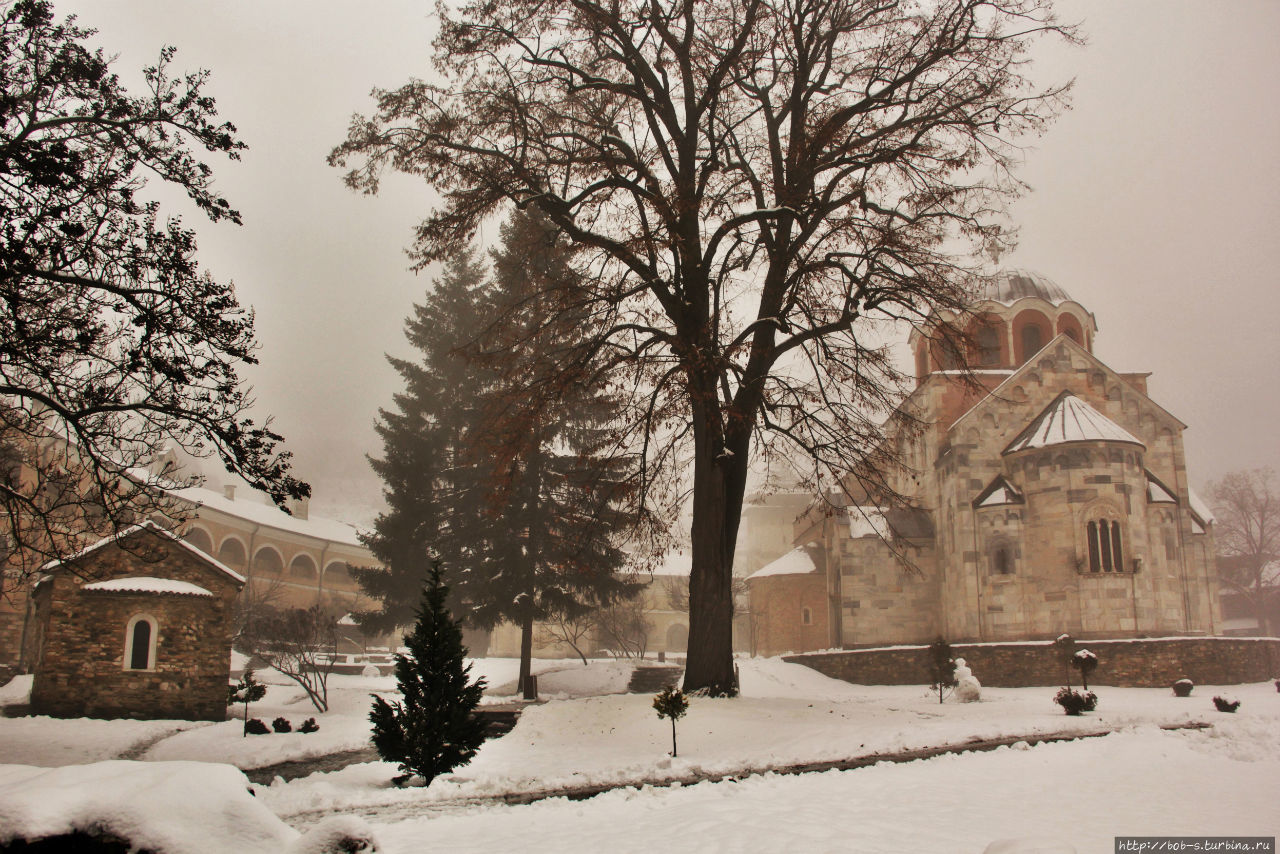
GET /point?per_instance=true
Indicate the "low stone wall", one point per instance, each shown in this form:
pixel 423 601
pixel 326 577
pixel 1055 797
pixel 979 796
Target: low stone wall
pixel 1145 663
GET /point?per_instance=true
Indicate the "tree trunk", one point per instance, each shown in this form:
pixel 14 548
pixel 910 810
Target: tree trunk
pixel 719 483
pixel 526 652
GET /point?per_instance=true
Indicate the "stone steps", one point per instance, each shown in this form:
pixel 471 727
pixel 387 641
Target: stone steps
pixel 650 680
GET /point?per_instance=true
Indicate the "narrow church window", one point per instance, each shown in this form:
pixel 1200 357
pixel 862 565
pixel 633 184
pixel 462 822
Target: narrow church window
pixel 140 643
pixel 1032 340
pixel 806 616
pixel 1002 561
pixel 988 346
pixel 1105 552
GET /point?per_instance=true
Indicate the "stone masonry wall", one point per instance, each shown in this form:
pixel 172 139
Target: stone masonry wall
pixel 1149 663
pixel 80 670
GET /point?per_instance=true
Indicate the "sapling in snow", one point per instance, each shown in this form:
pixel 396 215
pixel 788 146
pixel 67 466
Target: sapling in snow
pixel 1086 662
pixel 246 691
pixel 941 667
pixel 671 703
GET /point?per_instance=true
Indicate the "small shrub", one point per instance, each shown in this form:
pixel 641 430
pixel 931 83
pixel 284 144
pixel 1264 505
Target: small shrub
pixel 1182 688
pixel 671 703
pixel 1226 705
pixel 281 725
pixel 1075 702
pixel 309 725
pixel 255 726
pixel 1278 684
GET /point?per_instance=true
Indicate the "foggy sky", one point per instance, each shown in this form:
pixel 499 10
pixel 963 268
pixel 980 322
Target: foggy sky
pixel 1155 204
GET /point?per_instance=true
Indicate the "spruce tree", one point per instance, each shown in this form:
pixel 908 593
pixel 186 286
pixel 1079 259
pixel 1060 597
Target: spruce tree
pixel 426 482
pixel 556 474
pixel 432 729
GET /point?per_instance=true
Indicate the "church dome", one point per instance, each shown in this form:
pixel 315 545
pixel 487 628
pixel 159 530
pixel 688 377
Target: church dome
pixel 1009 286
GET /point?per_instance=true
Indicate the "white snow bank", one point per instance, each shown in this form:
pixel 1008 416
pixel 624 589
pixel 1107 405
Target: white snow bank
pixel 17 691
pixel 170 807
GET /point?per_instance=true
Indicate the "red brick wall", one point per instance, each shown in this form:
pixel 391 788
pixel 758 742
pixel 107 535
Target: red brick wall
pixel 80 669
pixel 777 610
pixel 1148 663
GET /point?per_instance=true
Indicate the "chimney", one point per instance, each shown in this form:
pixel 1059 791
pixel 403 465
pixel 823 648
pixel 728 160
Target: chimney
pixel 229 491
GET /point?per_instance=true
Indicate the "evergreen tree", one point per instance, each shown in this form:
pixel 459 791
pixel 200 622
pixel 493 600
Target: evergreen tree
pixel 557 476
pixel 497 460
pixel 421 466
pixel 433 729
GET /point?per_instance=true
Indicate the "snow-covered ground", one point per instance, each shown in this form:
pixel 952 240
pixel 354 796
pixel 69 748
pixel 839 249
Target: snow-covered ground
pixel 1141 781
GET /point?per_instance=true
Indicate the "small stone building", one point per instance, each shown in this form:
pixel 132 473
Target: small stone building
pixel 789 603
pixel 136 626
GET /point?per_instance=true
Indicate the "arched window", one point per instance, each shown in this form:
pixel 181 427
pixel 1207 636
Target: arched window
pixel 199 538
pixel 1032 340
pixel 988 345
pixel 302 567
pixel 232 553
pixel 267 560
pixel 140 643
pixel 337 573
pixel 1105 552
pixel 1002 561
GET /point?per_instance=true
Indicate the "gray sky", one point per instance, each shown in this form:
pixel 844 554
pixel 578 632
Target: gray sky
pixel 1155 203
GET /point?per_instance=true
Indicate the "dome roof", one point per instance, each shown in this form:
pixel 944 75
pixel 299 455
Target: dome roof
pixel 1009 286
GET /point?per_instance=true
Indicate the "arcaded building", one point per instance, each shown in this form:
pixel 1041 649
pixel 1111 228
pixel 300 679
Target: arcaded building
pixel 1046 493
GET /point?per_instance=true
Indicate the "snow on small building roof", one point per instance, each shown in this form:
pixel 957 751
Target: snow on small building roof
pixel 867 522
pixel 152 528
pixel 1158 493
pixel 997 493
pixel 1198 506
pixel 147 584
pixel 677 562
pixel 798 561
pixel 316 527
pixel 1069 419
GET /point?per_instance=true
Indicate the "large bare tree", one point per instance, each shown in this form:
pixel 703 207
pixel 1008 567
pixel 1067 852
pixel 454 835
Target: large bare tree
pixel 1246 508
pixel 758 187
pixel 114 345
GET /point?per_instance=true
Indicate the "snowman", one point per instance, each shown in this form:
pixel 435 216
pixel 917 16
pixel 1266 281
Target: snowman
pixel 968 689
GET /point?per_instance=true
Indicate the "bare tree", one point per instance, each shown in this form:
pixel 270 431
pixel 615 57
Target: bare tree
pixel 1246 507
pixel 301 644
pixel 623 628
pixel 114 345
pixel 757 187
pixel 574 632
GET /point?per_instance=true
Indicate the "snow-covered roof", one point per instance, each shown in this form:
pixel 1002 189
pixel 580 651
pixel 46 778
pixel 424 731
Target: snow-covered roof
pixel 798 561
pixel 1070 419
pixel 1198 506
pixel 867 522
pixel 1009 286
pixel 317 527
pixel 153 528
pixel 148 584
pixel 997 493
pixel 678 562
pixel 1157 492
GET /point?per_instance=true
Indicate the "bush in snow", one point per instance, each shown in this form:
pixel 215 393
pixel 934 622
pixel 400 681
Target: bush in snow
pixel 281 725
pixel 1086 662
pixel 1182 688
pixel 671 703
pixel 1278 684
pixel 940 668
pixel 1075 702
pixel 336 835
pixel 1226 704
pixel 434 729
pixel 247 690
pixel 309 725
pixel 255 726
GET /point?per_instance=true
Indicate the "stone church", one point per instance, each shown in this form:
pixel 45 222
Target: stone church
pixel 1047 493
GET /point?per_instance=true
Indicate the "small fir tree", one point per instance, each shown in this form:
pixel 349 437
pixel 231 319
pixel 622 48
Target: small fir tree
pixel 941 667
pixel 671 703
pixel 433 729
pixel 247 690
